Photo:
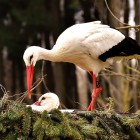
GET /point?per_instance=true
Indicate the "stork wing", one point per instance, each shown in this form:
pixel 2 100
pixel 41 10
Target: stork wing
pixel 102 39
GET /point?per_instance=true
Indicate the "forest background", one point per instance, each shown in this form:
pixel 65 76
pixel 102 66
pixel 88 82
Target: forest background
pixel 39 22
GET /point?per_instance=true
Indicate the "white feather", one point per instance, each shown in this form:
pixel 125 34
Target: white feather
pixel 50 102
pixel 82 44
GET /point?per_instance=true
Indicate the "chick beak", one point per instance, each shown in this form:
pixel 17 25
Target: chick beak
pixel 37 103
pixel 30 73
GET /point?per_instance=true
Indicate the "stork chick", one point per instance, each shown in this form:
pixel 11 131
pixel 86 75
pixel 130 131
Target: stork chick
pixel 47 101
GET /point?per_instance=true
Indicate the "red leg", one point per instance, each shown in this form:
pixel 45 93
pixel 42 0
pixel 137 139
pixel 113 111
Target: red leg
pixel 95 93
pixel 94 98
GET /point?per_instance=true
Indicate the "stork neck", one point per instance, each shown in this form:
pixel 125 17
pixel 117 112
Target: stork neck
pixel 50 55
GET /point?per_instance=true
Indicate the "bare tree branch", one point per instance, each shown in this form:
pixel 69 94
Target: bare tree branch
pixel 127 26
pixel 42 75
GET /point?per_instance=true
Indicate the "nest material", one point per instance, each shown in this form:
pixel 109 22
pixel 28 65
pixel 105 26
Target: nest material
pixel 18 122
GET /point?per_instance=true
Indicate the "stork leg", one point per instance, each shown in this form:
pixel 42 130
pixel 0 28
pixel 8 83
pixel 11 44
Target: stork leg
pixel 96 91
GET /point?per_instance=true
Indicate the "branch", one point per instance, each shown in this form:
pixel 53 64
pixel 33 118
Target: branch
pixel 20 122
pixel 42 74
pixel 127 26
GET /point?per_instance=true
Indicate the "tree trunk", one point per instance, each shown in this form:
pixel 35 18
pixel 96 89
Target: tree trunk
pixel 1 70
pixel 137 18
pixel 136 100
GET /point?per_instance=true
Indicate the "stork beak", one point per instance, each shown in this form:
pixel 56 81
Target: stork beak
pixel 30 73
pixel 37 103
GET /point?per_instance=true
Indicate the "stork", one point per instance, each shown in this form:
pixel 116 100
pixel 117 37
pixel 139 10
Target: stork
pixel 47 101
pixel 91 46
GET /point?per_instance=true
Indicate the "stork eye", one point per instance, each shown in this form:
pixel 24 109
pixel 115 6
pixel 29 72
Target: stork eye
pixel 43 98
pixel 31 57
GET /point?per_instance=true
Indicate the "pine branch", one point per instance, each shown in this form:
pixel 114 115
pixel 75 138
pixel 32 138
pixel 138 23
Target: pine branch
pixel 19 122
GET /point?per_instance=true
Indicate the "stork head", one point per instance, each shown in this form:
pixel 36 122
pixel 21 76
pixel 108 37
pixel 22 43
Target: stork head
pixel 31 56
pixel 48 101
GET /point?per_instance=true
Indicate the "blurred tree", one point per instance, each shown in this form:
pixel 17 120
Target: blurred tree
pixel 137 17
pixel 136 84
pixel 118 93
pixel 40 22
pixel 118 87
pixel 33 22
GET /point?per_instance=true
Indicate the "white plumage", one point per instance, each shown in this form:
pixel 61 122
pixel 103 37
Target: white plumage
pixel 77 43
pixel 92 46
pixel 93 37
pixel 47 101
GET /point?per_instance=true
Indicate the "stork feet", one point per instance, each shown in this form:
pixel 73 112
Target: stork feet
pixel 95 95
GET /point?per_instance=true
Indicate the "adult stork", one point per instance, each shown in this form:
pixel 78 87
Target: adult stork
pixel 91 46
pixel 47 101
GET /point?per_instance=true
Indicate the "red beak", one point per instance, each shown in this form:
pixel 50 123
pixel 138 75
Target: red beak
pixel 30 73
pixel 37 103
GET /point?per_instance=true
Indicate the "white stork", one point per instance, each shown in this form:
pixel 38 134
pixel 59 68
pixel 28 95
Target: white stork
pixel 47 101
pixel 92 46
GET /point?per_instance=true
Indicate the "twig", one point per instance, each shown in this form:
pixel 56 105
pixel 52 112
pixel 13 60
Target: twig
pixel 123 75
pixel 81 105
pixel 114 15
pixel 116 90
pixel 126 25
pixel 112 74
pixel 35 85
pixel 128 109
pixel 39 82
pixel 25 93
pixel 62 106
pixel 42 71
pixel 3 89
pixel 134 70
pixel 5 96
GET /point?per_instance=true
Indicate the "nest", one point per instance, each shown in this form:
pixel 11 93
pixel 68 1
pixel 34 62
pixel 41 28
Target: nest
pixel 18 122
